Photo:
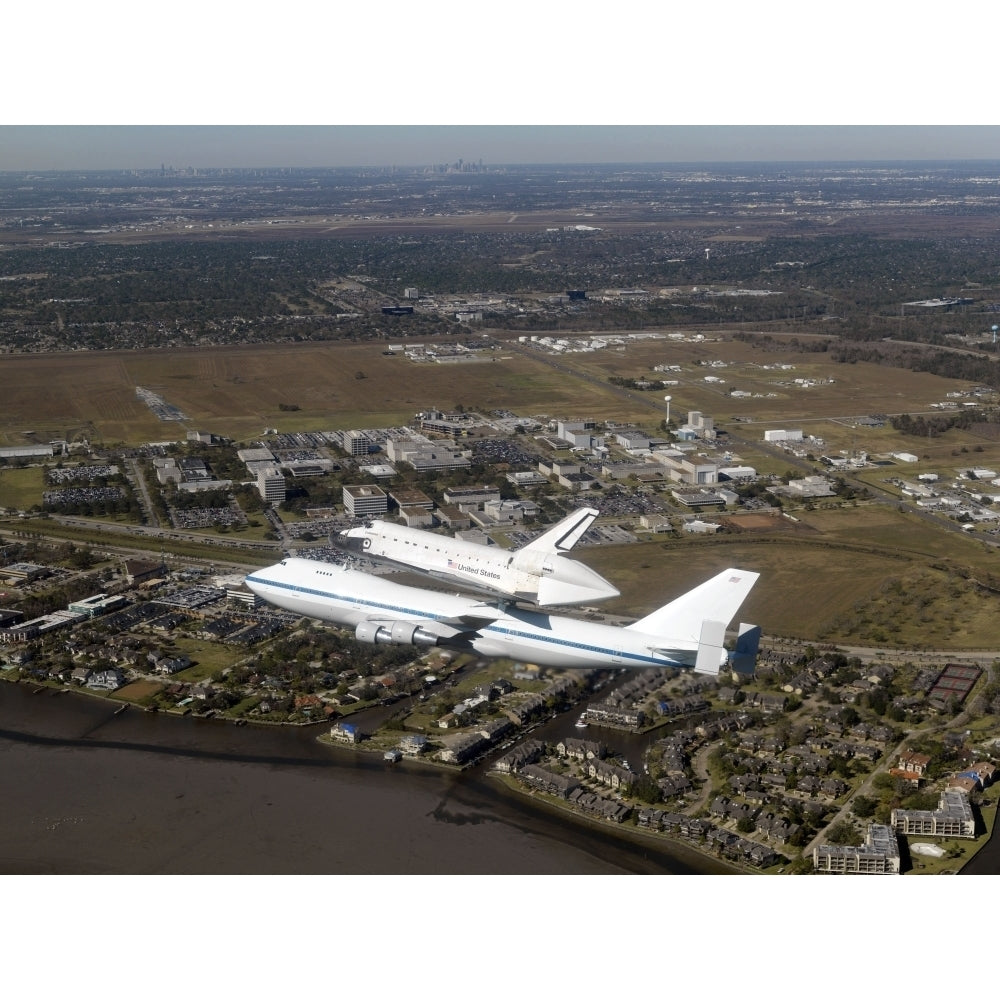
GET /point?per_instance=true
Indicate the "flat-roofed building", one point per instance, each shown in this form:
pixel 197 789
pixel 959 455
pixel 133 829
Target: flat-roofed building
pixel 697 527
pixel 416 517
pixel 244 595
pixel 99 604
pixel 657 523
pixel 411 498
pixel 453 517
pixel 810 486
pixel 271 484
pixel 303 470
pixel 247 455
pixel 24 572
pixel 622 470
pixel 687 470
pixel 355 443
pixel 454 424
pixel 365 501
pixel 703 426
pixel 28 451
pixel 952 818
pixel 738 472
pixel 470 496
pixel 878 855
pixel 698 498
pixel 137 571
pixel 381 471
pixel 632 440
pixel 526 478
pixel 509 511
pixel 782 434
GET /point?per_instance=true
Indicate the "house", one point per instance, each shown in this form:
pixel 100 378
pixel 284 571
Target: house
pixel 518 758
pixel 580 749
pixel 105 680
pixel 911 767
pixel 548 781
pixel 169 664
pixel 343 732
pixel 610 775
pixel 413 744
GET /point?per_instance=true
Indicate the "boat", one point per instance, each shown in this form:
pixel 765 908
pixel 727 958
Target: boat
pixel 581 723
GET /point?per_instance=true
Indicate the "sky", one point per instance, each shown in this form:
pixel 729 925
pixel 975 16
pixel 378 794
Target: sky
pixel 397 83
pixel 35 147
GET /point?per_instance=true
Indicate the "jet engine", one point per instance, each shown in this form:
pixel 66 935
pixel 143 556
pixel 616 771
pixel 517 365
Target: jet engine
pixel 395 633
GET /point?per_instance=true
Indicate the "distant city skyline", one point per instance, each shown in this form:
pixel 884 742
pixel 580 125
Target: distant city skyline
pixel 97 147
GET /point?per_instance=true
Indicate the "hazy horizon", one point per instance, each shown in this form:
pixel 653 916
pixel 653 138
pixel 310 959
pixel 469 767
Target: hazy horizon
pixel 128 147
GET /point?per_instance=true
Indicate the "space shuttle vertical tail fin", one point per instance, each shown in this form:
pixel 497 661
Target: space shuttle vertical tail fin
pixel 564 535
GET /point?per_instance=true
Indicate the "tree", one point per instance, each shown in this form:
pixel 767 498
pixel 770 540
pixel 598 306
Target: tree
pixel 863 806
pixel 843 833
pixel 646 790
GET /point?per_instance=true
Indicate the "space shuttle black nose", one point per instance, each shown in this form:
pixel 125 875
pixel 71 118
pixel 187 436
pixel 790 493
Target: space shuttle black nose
pixel 348 543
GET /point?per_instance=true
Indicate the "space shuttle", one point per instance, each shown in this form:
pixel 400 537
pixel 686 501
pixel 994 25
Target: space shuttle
pixel 539 573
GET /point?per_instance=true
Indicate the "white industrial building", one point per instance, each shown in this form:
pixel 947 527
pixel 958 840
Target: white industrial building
pixel 356 443
pixel 633 441
pixel 738 472
pixel 365 501
pixel 271 484
pixel 700 425
pixel 782 435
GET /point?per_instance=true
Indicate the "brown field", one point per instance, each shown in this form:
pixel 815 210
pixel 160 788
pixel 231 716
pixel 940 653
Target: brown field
pixel 869 576
pixel 137 691
pixel 236 391
pixel 858 389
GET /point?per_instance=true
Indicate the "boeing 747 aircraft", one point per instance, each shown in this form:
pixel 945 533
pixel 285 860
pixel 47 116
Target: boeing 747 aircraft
pixel 687 632
pixel 539 572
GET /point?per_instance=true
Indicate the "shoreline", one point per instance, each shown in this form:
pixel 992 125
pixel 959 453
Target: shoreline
pixel 480 770
pixel 182 796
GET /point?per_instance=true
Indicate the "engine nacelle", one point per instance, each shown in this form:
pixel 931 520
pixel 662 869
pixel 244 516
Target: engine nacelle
pixel 395 633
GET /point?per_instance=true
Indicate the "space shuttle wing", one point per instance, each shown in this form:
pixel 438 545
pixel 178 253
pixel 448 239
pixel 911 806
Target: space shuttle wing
pixel 564 535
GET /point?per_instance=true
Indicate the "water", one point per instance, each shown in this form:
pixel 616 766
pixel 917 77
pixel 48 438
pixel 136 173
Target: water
pixel 87 791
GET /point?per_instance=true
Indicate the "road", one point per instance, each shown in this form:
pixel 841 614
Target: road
pixel 138 480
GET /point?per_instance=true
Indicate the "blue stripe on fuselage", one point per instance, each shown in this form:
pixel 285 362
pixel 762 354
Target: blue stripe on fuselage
pixel 501 630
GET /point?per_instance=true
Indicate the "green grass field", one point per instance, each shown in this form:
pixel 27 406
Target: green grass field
pixel 21 488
